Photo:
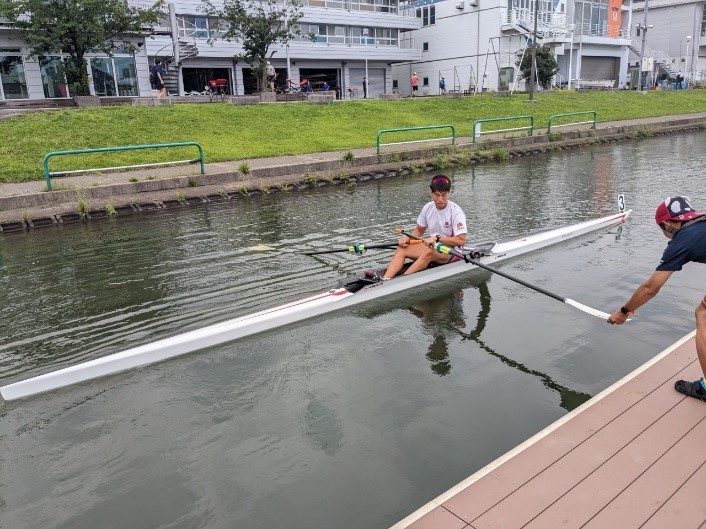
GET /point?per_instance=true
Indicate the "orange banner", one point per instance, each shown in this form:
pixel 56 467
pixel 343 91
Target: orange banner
pixel 614 13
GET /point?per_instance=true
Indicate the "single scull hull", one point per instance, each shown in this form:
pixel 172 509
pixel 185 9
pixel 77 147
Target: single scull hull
pixel 335 299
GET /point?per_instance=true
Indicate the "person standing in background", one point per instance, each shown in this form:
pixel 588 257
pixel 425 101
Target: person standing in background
pixel 159 79
pixel 414 81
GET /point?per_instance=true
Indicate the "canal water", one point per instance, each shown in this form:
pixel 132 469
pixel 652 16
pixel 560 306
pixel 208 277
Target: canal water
pixel 350 420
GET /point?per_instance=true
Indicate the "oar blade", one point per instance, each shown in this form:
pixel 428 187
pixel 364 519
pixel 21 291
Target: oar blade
pixel 588 310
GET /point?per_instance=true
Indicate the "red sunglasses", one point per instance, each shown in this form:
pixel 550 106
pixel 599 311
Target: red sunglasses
pixel 441 180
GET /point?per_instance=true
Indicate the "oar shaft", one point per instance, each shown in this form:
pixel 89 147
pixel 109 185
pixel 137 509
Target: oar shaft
pixel 446 249
pixel 357 248
pixel 352 248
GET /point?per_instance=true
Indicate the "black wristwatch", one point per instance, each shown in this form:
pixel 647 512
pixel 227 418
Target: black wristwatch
pixel 624 310
pixel 438 238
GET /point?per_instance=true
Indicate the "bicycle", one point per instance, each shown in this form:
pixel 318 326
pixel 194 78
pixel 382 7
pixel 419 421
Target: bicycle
pixel 218 89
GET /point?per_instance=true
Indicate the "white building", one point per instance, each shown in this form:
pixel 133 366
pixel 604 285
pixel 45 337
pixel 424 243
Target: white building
pixel 474 44
pixel 675 38
pixel 351 36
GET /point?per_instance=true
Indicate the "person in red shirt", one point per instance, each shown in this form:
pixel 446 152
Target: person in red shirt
pixel 414 80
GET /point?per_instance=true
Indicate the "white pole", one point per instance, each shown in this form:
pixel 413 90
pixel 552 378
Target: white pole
pixel 286 49
pixel 578 62
pixel 571 54
pixel 640 84
pixel 687 67
pixel 365 81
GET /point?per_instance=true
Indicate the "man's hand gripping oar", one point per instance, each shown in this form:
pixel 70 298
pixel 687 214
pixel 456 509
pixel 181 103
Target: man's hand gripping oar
pixel 442 248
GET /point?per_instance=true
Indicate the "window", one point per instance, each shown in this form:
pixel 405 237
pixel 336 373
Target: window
pixel 114 76
pixel 12 75
pixel 53 79
pixel 394 84
pixel 427 14
pixel 192 26
pixel 425 81
pixel 126 76
pixel 425 46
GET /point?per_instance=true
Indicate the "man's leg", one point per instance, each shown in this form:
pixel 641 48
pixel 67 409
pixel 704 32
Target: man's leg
pixel 701 334
pixel 412 251
pixel 425 259
pixel 697 388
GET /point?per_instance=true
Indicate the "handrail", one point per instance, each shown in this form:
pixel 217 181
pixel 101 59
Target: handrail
pixel 477 125
pixel 381 132
pixel 593 121
pixel 48 175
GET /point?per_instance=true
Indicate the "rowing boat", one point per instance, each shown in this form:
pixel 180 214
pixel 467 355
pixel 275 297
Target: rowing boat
pixel 347 294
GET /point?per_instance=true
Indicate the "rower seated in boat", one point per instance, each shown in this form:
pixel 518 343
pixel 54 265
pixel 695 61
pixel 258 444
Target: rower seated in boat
pixel 443 220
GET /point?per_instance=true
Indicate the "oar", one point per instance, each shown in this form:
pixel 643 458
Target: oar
pixel 442 248
pixel 357 248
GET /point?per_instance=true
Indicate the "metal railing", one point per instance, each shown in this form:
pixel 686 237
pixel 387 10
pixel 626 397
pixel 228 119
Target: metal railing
pixel 48 174
pixel 560 116
pixel 477 124
pixel 407 129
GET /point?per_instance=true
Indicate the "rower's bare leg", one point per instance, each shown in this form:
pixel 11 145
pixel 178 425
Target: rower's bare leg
pixel 701 334
pixel 428 257
pixel 401 255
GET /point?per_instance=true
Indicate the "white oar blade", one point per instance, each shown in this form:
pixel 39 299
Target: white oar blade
pixel 588 310
pixel 261 248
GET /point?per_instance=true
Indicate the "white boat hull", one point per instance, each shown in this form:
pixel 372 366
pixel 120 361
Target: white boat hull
pixel 335 299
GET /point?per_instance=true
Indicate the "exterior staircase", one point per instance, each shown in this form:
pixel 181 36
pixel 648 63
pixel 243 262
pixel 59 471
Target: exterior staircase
pixel 666 62
pixel 551 27
pixel 187 50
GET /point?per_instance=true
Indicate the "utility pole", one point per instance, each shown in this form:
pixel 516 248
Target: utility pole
pixel 642 47
pixel 533 66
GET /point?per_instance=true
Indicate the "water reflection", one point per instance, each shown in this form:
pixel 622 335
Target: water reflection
pixel 435 313
pixel 444 316
pixel 570 399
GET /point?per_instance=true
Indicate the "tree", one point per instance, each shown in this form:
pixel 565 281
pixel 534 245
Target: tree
pixel 547 66
pixel 257 25
pixel 77 27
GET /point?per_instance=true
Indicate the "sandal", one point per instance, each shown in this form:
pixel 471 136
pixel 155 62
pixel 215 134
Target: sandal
pixel 691 389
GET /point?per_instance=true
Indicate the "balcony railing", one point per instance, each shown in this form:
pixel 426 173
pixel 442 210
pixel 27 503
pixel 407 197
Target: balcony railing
pixel 373 6
pixel 340 40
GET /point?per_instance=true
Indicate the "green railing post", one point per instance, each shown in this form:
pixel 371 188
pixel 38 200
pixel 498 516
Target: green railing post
pixel 385 131
pixel 555 116
pixel 476 128
pixel 47 174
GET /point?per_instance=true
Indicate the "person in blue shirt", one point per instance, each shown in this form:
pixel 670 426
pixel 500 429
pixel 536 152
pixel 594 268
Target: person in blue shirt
pixel 309 88
pixel 442 85
pixel 324 87
pixel 159 79
pixel 686 230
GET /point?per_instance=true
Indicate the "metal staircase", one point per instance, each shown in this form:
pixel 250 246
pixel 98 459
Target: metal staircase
pixel 667 62
pixel 551 27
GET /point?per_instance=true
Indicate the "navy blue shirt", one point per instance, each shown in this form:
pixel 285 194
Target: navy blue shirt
pixel 687 245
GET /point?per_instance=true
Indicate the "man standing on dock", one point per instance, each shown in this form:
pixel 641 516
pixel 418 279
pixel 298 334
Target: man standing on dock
pixel 686 230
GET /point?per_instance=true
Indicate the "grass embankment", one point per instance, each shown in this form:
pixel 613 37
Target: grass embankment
pixel 229 132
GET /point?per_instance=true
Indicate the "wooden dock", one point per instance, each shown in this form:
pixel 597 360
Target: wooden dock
pixel 632 456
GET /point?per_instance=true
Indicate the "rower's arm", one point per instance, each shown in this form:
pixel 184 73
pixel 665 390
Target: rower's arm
pixel 454 240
